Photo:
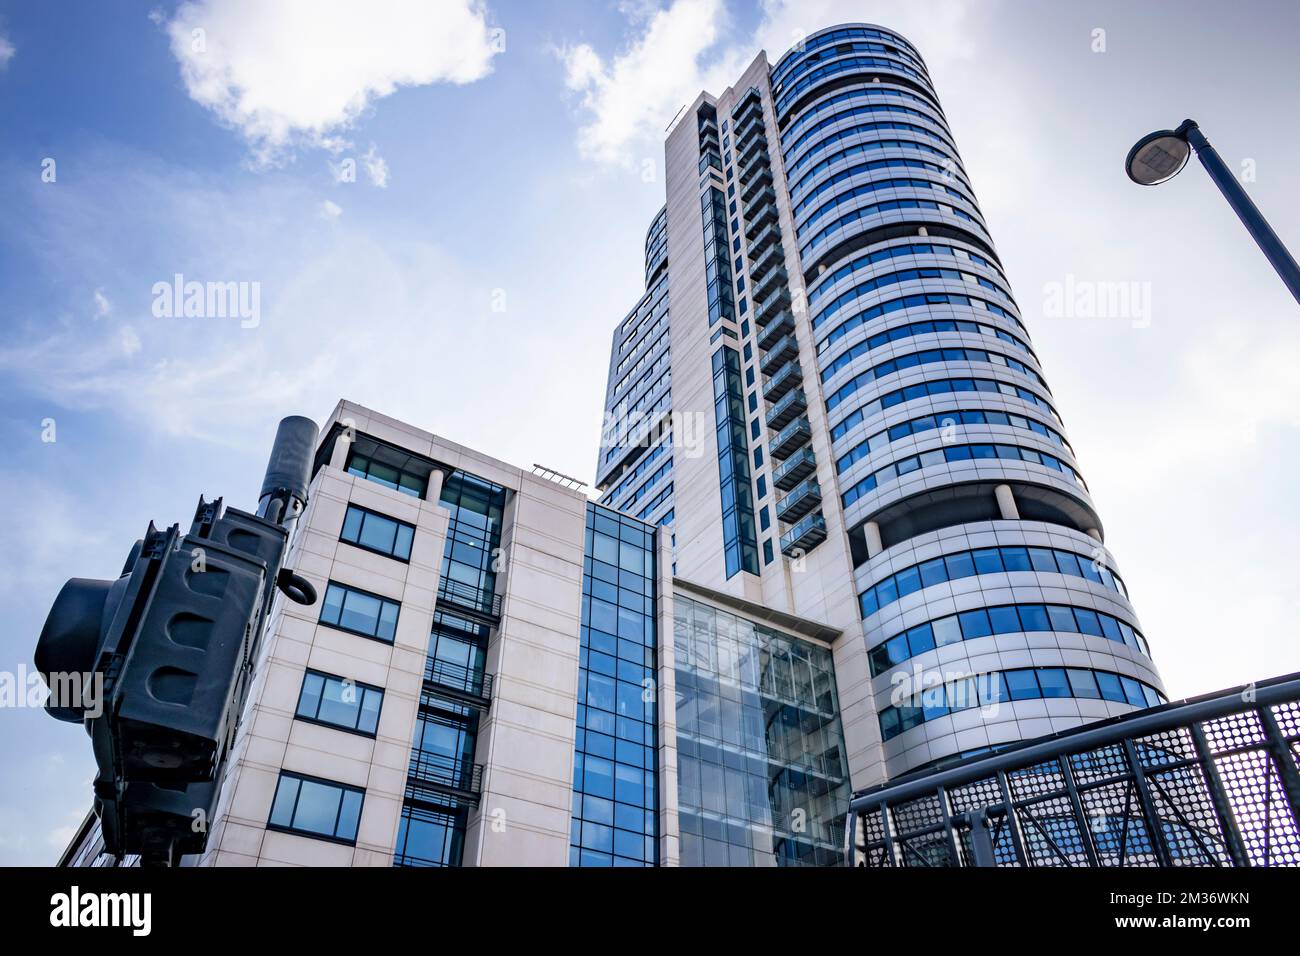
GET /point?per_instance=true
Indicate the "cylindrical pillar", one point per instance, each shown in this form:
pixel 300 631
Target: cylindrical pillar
pixel 871 531
pixel 1006 503
pixel 436 479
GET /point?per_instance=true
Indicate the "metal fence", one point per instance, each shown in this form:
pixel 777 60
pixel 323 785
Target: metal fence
pixel 1211 781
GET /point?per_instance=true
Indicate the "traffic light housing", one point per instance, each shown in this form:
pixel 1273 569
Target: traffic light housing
pixel 157 664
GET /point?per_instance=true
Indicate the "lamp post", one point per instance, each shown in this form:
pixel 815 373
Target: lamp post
pixel 1160 156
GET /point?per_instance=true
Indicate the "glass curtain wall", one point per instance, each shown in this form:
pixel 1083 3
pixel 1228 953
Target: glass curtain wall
pixel 762 772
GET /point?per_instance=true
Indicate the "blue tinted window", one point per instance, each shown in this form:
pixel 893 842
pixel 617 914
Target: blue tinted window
pixel 378 533
pixel 1004 620
pixel 1022 684
pixel 316 807
pixel 614 804
pixel 1053 682
pixel 339 702
pixel 1110 686
pixel 360 612
pixel 975 624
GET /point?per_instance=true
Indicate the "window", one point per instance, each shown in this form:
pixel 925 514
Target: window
pixel 983 622
pixel 374 532
pixel 1022 684
pixel 318 808
pixel 389 476
pixel 339 702
pixel 360 612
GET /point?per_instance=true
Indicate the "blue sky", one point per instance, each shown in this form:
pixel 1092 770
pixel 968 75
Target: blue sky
pixel 507 155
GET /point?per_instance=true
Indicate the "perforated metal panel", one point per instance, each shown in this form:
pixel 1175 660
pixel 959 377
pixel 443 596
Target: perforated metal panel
pixel 1208 782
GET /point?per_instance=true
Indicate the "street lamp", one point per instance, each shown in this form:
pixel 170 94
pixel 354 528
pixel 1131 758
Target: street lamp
pixel 1159 157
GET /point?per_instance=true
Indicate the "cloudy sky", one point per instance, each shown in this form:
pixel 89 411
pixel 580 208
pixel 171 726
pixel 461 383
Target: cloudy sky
pixel 474 181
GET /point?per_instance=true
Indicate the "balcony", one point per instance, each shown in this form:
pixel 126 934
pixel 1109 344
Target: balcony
pixel 750 106
pixel 781 325
pixel 753 125
pixel 804 536
pixel 795 468
pixel 754 148
pixel 708 125
pixel 769 284
pixel 789 439
pixel 448 776
pixel 752 208
pixel 466 685
pixel 471 601
pixel 780 383
pixel 787 409
pixel 764 178
pixel 772 306
pixel 748 169
pixel 762 241
pixel 764 215
pixel 709 143
pixel 803 499
pixel 784 349
pixel 774 255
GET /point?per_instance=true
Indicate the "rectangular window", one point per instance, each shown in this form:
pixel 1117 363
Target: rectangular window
pixel 375 532
pixel 339 702
pixel 387 475
pixel 350 609
pixel 318 808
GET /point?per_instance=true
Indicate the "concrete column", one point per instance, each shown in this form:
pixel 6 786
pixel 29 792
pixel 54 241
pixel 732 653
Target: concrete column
pixel 436 479
pixel 872 532
pixel 339 456
pixel 1007 503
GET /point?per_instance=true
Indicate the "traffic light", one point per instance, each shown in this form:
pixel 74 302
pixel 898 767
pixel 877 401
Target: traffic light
pixel 157 664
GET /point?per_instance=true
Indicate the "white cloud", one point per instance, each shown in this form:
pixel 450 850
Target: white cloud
pixel 376 167
pixel 102 305
pixel 302 71
pixel 635 95
pixel 330 210
pixel 678 52
pixel 130 340
pixel 7 51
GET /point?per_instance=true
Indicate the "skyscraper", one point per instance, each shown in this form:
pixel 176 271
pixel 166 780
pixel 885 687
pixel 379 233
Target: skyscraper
pixel 889 463
pixel 842 536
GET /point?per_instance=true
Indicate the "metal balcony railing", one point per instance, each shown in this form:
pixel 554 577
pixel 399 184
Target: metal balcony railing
pixel 753 126
pixel 783 324
pixel 788 440
pixel 761 179
pixel 753 205
pixel 781 352
pixel 454 776
pixel 746 170
pixel 749 109
pixel 804 536
pixel 773 255
pixel 803 499
pixel 762 241
pixel 772 306
pixel 764 216
pixel 785 411
pixel 470 600
pixel 1212 782
pixel 468 684
pixel 795 468
pixel 755 147
pixel 770 284
pixel 784 380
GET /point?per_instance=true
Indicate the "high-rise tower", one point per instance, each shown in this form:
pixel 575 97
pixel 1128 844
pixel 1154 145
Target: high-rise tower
pixel 889 462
